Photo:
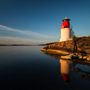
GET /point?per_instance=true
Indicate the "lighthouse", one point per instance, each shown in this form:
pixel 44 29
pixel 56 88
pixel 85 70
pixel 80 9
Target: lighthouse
pixel 65 30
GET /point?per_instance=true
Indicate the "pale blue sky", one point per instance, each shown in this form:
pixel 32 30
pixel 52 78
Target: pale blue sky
pixel 37 21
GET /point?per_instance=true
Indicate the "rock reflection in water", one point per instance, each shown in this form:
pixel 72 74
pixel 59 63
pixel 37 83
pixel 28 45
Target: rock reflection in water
pixel 65 70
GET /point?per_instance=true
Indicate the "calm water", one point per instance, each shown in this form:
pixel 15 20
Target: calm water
pixel 26 67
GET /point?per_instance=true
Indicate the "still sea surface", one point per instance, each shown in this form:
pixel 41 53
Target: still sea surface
pixel 26 67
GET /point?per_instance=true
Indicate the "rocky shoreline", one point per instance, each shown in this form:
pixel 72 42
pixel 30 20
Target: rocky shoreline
pixel 61 52
pixel 82 43
pixel 65 50
pixel 67 55
pixel 59 55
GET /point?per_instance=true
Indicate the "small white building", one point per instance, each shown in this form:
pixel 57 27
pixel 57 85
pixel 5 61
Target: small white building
pixel 65 30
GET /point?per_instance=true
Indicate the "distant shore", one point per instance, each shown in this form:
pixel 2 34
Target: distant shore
pixel 16 45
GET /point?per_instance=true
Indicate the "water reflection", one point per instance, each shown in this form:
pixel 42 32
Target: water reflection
pixel 65 70
pixel 27 67
pixel 65 67
pixel 74 66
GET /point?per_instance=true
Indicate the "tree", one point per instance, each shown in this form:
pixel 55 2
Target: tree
pixel 74 38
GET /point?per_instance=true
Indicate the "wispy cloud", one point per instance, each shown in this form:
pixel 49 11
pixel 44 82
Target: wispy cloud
pixel 26 32
pixel 16 40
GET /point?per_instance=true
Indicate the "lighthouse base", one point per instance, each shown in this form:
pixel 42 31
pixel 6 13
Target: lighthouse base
pixel 65 39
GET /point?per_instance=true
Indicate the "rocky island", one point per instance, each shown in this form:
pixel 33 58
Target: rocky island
pixel 70 47
pixel 67 48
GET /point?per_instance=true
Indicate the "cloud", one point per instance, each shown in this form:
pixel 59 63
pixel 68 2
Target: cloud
pixel 16 40
pixel 26 32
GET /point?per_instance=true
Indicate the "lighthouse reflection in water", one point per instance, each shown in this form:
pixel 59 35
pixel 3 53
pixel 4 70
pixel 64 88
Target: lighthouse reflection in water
pixel 65 67
pixel 65 70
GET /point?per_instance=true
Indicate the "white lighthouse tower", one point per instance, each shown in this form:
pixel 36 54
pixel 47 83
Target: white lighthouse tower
pixel 65 30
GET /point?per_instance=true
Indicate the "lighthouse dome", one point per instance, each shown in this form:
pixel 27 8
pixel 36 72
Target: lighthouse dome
pixel 66 24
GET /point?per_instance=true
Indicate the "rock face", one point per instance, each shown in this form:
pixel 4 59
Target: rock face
pixel 65 45
pixel 83 44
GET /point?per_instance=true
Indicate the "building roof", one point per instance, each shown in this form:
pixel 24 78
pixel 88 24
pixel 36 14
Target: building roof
pixel 66 19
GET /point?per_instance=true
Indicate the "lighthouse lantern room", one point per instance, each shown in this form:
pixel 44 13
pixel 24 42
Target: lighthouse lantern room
pixel 65 30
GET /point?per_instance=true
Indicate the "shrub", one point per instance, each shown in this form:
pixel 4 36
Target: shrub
pixel 74 38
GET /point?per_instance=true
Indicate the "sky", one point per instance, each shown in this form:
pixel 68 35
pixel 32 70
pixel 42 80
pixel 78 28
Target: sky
pixel 38 21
